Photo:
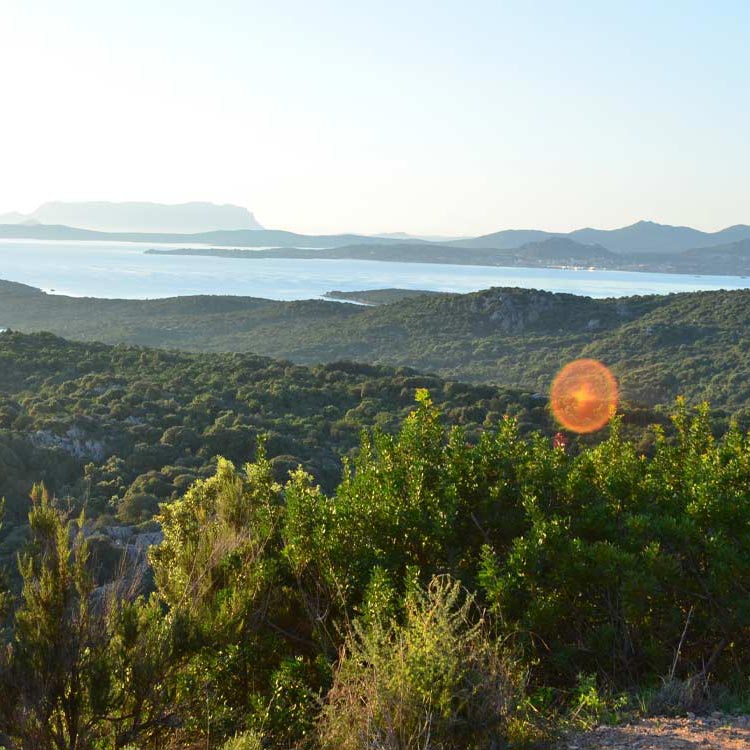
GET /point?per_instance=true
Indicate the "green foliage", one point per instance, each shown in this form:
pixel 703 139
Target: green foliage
pixel 436 679
pixel 590 707
pixel 244 741
pixel 85 667
pixel 293 701
pixel 118 430
pixel 623 547
pixel 5 597
pixel 50 673
pixel 692 344
pixel 222 568
pixel 443 574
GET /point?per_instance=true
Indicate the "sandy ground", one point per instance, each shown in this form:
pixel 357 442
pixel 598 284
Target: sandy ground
pixel 714 732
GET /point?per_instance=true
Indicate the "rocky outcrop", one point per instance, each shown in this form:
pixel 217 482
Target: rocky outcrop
pixel 130 547
pixel 514 311
pixel 73 441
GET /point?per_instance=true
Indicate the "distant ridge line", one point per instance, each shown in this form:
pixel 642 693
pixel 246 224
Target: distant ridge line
pixel 641 238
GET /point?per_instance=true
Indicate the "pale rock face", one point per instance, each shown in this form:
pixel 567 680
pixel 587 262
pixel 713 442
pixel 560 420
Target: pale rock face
pixel 72 442
pixel 148 539
pixel 511 314
pixel 119 534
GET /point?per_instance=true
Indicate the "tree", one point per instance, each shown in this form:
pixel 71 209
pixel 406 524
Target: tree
pixel 85 667
pixel 56 652
pixel 5 598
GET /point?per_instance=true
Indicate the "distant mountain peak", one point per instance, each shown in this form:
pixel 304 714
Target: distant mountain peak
pixel 642 237
pixel 139 216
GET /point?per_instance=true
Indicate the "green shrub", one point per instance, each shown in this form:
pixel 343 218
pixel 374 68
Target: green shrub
pixel 435 680
pixel 244 741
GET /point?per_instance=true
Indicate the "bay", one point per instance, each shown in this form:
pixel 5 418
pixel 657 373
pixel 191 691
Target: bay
pixel 123 270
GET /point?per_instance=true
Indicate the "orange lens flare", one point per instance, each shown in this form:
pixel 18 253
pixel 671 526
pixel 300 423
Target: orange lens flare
pixel 584 396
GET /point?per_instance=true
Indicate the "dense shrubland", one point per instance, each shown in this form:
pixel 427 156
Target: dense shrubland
pixel 117 430
pixel 450 592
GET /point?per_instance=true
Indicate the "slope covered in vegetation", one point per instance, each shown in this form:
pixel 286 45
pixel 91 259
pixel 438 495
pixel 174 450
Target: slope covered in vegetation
pixel 116 430
pixel 694 344
pixel 447 588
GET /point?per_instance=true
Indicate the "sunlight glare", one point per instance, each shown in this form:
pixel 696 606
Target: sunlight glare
pixel 584 396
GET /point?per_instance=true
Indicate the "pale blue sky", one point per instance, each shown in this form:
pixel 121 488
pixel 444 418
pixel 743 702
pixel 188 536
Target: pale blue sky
pixel 433 117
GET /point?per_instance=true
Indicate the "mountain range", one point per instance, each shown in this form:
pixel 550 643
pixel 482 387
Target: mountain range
pixel 234 226
pixel 641 237
pixel 730 259
pixel 644 246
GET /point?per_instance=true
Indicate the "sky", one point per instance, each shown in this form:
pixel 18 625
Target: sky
pixel 431 117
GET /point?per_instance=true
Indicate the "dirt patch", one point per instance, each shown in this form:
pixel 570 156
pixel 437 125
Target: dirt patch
pixel 715 732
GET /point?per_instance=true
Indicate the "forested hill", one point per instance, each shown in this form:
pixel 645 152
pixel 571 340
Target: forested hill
pixel 555 251
pixel 498 583
pixel 126 427
pixel 694 344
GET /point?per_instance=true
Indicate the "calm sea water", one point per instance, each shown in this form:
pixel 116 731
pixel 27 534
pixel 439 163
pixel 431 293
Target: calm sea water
pixel 122 270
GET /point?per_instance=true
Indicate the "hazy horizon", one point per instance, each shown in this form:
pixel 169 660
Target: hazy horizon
pixel 431 120
pixel 348 231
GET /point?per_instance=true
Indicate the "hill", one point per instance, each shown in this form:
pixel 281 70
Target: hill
pixel 647 237
pixel 564 251
pixel 230 238
pixel 731 258
pixel 148 421
pixel 643 237
pixel 377 296
pixel 642 247
pixel 479 570
pixel 695 344
pixel 395 252
pixel 553 251
pixel 507 239
pixel 737 250
pixel 138 216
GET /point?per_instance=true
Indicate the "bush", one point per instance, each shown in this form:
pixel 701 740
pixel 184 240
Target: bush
pixel 436 680
pixel 244 741
pixel 137 507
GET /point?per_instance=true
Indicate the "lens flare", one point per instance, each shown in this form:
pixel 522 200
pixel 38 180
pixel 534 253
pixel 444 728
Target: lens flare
pixel 584 396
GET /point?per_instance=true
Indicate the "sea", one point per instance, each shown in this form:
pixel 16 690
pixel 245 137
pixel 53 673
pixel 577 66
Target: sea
pixel 123 270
